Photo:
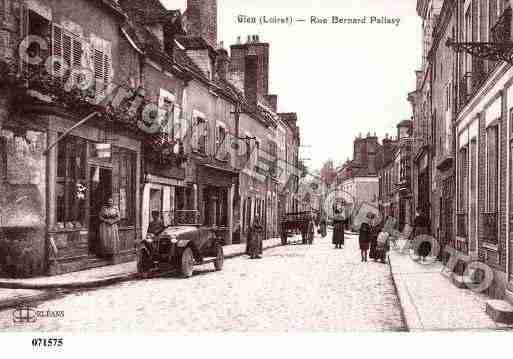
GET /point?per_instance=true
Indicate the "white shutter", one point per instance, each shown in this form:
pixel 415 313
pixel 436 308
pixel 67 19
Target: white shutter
pixel 101 54
pixel 177 123
pixel 196 128
pixel 57 48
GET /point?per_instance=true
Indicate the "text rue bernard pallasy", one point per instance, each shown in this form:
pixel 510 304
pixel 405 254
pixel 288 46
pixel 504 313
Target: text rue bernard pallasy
pixel 289 20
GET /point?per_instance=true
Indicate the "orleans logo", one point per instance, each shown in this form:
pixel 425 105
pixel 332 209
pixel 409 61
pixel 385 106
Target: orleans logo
pixel 24 314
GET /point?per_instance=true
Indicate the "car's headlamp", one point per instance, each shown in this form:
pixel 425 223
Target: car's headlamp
pixel 150 237
pixel 174 239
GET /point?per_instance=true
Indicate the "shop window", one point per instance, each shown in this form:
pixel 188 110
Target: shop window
pixel 124 175
pixel 71 181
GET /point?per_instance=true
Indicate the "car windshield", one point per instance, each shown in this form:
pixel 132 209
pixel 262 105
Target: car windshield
pixel 160 220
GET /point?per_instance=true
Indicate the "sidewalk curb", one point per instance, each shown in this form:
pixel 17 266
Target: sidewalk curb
pixel 41 297
pixel 99 282
pixel 408 309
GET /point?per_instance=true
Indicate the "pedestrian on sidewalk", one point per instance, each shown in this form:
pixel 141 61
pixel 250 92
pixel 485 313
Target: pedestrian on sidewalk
pixel 338 229
pixel 255 239
pixel 365 236
pixel 109 233
pixel 421 227
pixel 373 240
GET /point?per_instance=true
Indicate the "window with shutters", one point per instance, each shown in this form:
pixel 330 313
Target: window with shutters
pixel 202 135
pixel 168 110
pixel 102 66
pixel 463 179
pixel 273 149
pixel 71 49
pixel 221 142
pixel 492 168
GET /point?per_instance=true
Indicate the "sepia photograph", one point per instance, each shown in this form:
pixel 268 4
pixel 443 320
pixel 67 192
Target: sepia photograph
pixel 316 169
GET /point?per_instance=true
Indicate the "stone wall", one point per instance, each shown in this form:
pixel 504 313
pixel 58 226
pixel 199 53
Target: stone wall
pixel 22 203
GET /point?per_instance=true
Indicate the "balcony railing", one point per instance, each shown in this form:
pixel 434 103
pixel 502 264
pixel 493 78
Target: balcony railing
pixel 490 227
pixel 462 225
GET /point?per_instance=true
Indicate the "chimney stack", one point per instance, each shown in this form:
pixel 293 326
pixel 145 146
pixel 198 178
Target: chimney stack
pixel 202 17
pixel 273 102
pixel 261 50
pixel 251 78
pixel 223 63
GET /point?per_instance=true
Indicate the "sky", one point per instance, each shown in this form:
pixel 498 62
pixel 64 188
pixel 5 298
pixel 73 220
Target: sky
pixel 341 79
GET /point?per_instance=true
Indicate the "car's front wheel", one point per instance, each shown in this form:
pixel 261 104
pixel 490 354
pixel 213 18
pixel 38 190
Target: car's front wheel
pixel 187 262
pixel 218 263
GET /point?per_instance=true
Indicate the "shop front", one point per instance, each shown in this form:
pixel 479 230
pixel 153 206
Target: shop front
pixel 51 217
pixel 216 189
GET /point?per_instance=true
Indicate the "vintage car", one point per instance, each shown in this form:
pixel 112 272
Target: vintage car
pixel 180 244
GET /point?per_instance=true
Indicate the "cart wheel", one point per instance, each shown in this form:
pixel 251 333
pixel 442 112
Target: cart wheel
pixel 187 263
pixel 218 263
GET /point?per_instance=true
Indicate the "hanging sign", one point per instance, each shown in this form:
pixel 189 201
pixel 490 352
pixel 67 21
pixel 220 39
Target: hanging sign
pixel 103 150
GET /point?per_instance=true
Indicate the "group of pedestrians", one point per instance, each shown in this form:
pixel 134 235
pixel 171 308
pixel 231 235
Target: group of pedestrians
pixel 368 236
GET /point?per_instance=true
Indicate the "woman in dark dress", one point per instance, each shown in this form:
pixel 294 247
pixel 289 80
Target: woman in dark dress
pixel 365 237
pixel 421 225
pixel 255 240
pixel 338 229
pixel 373 241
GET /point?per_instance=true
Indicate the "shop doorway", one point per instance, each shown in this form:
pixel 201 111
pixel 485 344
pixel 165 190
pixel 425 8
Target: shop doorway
pixel 101 191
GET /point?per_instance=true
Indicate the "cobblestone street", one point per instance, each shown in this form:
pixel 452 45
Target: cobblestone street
pixel 293 288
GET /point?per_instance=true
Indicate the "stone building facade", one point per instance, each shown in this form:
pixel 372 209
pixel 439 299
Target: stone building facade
pixel 52 190
pixel 205 156
pixel 468 135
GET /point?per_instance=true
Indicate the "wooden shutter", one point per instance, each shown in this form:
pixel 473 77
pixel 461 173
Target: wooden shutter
pixel 101 59
pixel 99 72
pixel 177 125
pixel 24 32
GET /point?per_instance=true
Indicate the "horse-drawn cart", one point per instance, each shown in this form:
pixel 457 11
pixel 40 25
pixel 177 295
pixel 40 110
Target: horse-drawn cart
pixel 295 223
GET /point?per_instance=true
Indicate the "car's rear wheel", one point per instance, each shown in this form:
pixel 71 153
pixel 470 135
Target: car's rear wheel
pixel 187 262
pixel 218 263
